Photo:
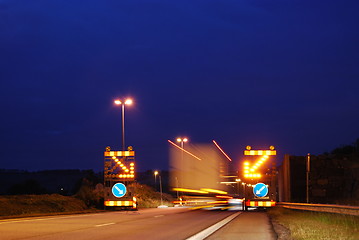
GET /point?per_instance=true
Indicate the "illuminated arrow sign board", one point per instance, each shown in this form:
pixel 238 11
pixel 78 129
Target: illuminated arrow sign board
pixel 119 164
pixel 250 170
pixel 119 190
pixel 260 152
pixel 260 190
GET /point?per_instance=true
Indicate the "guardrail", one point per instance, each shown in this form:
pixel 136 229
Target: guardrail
pixel 330 208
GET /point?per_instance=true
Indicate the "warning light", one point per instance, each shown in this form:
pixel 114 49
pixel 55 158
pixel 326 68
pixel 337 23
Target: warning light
pixel 249 172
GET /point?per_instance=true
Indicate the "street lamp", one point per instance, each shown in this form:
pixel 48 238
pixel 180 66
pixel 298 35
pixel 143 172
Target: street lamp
pixel 182 141
pixel 123 103
pixel 156 173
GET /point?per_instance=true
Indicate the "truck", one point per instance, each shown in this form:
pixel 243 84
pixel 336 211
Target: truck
pixel 259 174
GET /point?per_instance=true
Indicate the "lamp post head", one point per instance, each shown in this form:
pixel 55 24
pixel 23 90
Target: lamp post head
pixel 126 102
pixel 182 139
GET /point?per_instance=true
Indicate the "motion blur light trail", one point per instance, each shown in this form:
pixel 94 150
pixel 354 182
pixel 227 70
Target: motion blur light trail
pixel 183 150
pixel 215 143
pixel 191 177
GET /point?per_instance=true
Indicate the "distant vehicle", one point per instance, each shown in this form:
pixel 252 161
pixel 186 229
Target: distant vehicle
pixel 235 201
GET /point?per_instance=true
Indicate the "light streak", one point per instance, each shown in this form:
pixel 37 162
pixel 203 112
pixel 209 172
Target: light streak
pixel 215 143
pixel 184 150
pixel 189 190
pixel 219 196
pixel 217 202
pixel 213 191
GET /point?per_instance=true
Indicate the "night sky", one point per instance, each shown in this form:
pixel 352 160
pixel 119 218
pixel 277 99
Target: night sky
pixel 259 73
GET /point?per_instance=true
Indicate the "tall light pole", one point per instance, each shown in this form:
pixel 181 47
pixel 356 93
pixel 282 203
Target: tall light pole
pixel 181 140
pixel 161 188
pixel 307 175
pixel 156 173
pixel 123 103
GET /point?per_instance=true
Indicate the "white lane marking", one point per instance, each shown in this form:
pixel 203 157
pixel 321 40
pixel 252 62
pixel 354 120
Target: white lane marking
pixel 31 219
pixel 158 216
pixel 105 224
pixel 208 231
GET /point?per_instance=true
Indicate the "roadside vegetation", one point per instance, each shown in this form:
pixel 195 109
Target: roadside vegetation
pixel 305 225
pixel 89 198
pixel 148 198
pixel 92 196
pixel 33 205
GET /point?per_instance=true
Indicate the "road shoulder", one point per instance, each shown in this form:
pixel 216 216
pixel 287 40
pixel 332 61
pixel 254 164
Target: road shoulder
pixel 248 226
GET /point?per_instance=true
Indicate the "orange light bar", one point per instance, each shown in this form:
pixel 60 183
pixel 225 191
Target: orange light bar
pixel 260 203
pixel 119 153
pixel 260 152
pixel 118 203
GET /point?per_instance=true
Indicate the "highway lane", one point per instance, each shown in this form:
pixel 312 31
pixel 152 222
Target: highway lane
pixel 169 223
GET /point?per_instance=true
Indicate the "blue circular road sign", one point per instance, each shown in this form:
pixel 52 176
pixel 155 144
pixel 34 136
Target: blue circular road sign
pixel 119 190
pixel 260 190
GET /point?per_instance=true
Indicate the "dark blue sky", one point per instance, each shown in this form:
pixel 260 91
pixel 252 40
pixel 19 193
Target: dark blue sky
pixel 260 73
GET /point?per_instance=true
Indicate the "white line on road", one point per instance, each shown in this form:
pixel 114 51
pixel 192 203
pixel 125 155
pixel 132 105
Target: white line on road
pixel 158 216
pixel 208 231
pixel 105 224
pixel 31 219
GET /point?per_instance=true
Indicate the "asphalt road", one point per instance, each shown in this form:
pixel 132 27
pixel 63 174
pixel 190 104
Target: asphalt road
pixel 247 226
pixel 170 223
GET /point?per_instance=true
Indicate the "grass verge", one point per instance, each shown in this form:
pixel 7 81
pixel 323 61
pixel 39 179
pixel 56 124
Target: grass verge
pixel 14 206
pixel 305 225
pixel 38 205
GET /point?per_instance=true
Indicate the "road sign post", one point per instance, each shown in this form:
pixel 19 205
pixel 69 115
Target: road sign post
pixel 260 190
pixel 119 173
pixel 119 190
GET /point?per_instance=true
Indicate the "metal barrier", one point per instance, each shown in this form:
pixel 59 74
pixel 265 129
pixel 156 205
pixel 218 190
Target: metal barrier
pixel 330 208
